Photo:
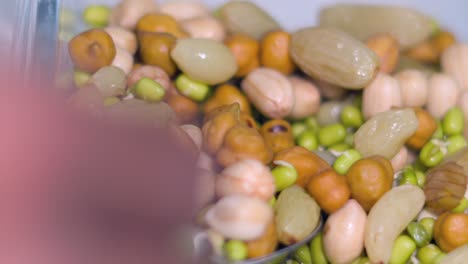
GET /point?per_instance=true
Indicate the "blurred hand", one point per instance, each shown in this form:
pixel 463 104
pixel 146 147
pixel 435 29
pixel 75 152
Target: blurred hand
pixel 74 189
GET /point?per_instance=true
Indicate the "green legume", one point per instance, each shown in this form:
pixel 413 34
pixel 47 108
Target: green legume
pixel 357 101
pixel 81 78
pixel 308 140
pixel 97 15
pixel 346 160
pixel 298 128
pixel 351 116
pixel 194 90
pixel 284 176
pixel 420 178
pixel 408 177
pixel 403 248
pixel 339 147
pixel 149 90
pixel 312 123
pixel 272 201
pixel 331 134
pixel 349 139
pixel 292 261
pixel 439 133
pixel 429 253
pixel 302 254
pixel 316 250
pixel 428 224
pixel 439 258
pixel 362 260
pixel 452 124
pixel 455 143
pixel 111 100
pixel 431 154
pixel 235 250
pixel 461 206
pixel 418 234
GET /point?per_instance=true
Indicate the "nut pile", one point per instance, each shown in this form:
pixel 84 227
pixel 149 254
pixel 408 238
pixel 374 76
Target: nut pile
pixel 360 122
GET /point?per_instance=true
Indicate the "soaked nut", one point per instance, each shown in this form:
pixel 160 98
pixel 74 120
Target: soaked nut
pixel 155 49
pixel 242 142
pixel 195 134
pixel 227 94
pixel 270 92
pixel 123 38
pixel 185 109
pixel 277 134
pixel 160 23
pixel 274 52
pixel 400 160
pixel 442 41
pixel 424 52
pixel 183 10
pixel 124 60
pixel 387 49
pixel 246 177
pixel 245 49
pixel 454 61
pixel 204 27
pixel 217 123
pixel 92 50
pixel 128 12
pixel 442 94
pixel 206 162
pixel 153 72
pixel 413 87
pixel 240 217
pixel 248 120
pixel 427 125
pixel 330 91
pixel 381 95
pixel 306 98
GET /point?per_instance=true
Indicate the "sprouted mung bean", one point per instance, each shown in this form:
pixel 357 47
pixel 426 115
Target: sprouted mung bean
pixel 250 66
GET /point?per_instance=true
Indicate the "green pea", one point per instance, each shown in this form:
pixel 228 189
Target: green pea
pixel 308 140
pixel 431 154
pixel 149 90
pixel 439 133
pixel 316 250
pixel 302 254
pixel 452 124
pixel 339 147
pixel 349 139
pixel 403 248
pixel 312 123
pixel 298 128
pixel 418 234
pixel 461 206
pixel 357 101
pixel 455 143
pixel 420 178
pixel 272 201
pixel 351 116
pixel 97 15
pixel 81 78
pixel 194 90
pixel 284 176
pixel 331 134
pixel 408 177
pixel 428 224
pixel 428 254
pixel 346 160
pixel 362 260
pixel 235 250
pixel 292 261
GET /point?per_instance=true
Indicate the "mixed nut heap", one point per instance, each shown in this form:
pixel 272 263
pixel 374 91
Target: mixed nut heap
pixel 359 121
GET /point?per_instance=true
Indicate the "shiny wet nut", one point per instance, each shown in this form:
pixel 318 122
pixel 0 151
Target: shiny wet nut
pixel 92 50
pixel 240 217
pixel 413 87
pixel 124 60
pixel 127 13
pixel 160 23
pixel 123 38
pixel 246 177
pixel 270 92
pixel 183 10
pixel 381 95
pixel 204 60
pixel 110 81
pixel 443 92
pixel 155 50
pixel 204 27
pixel 306 98
pixel 149 71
